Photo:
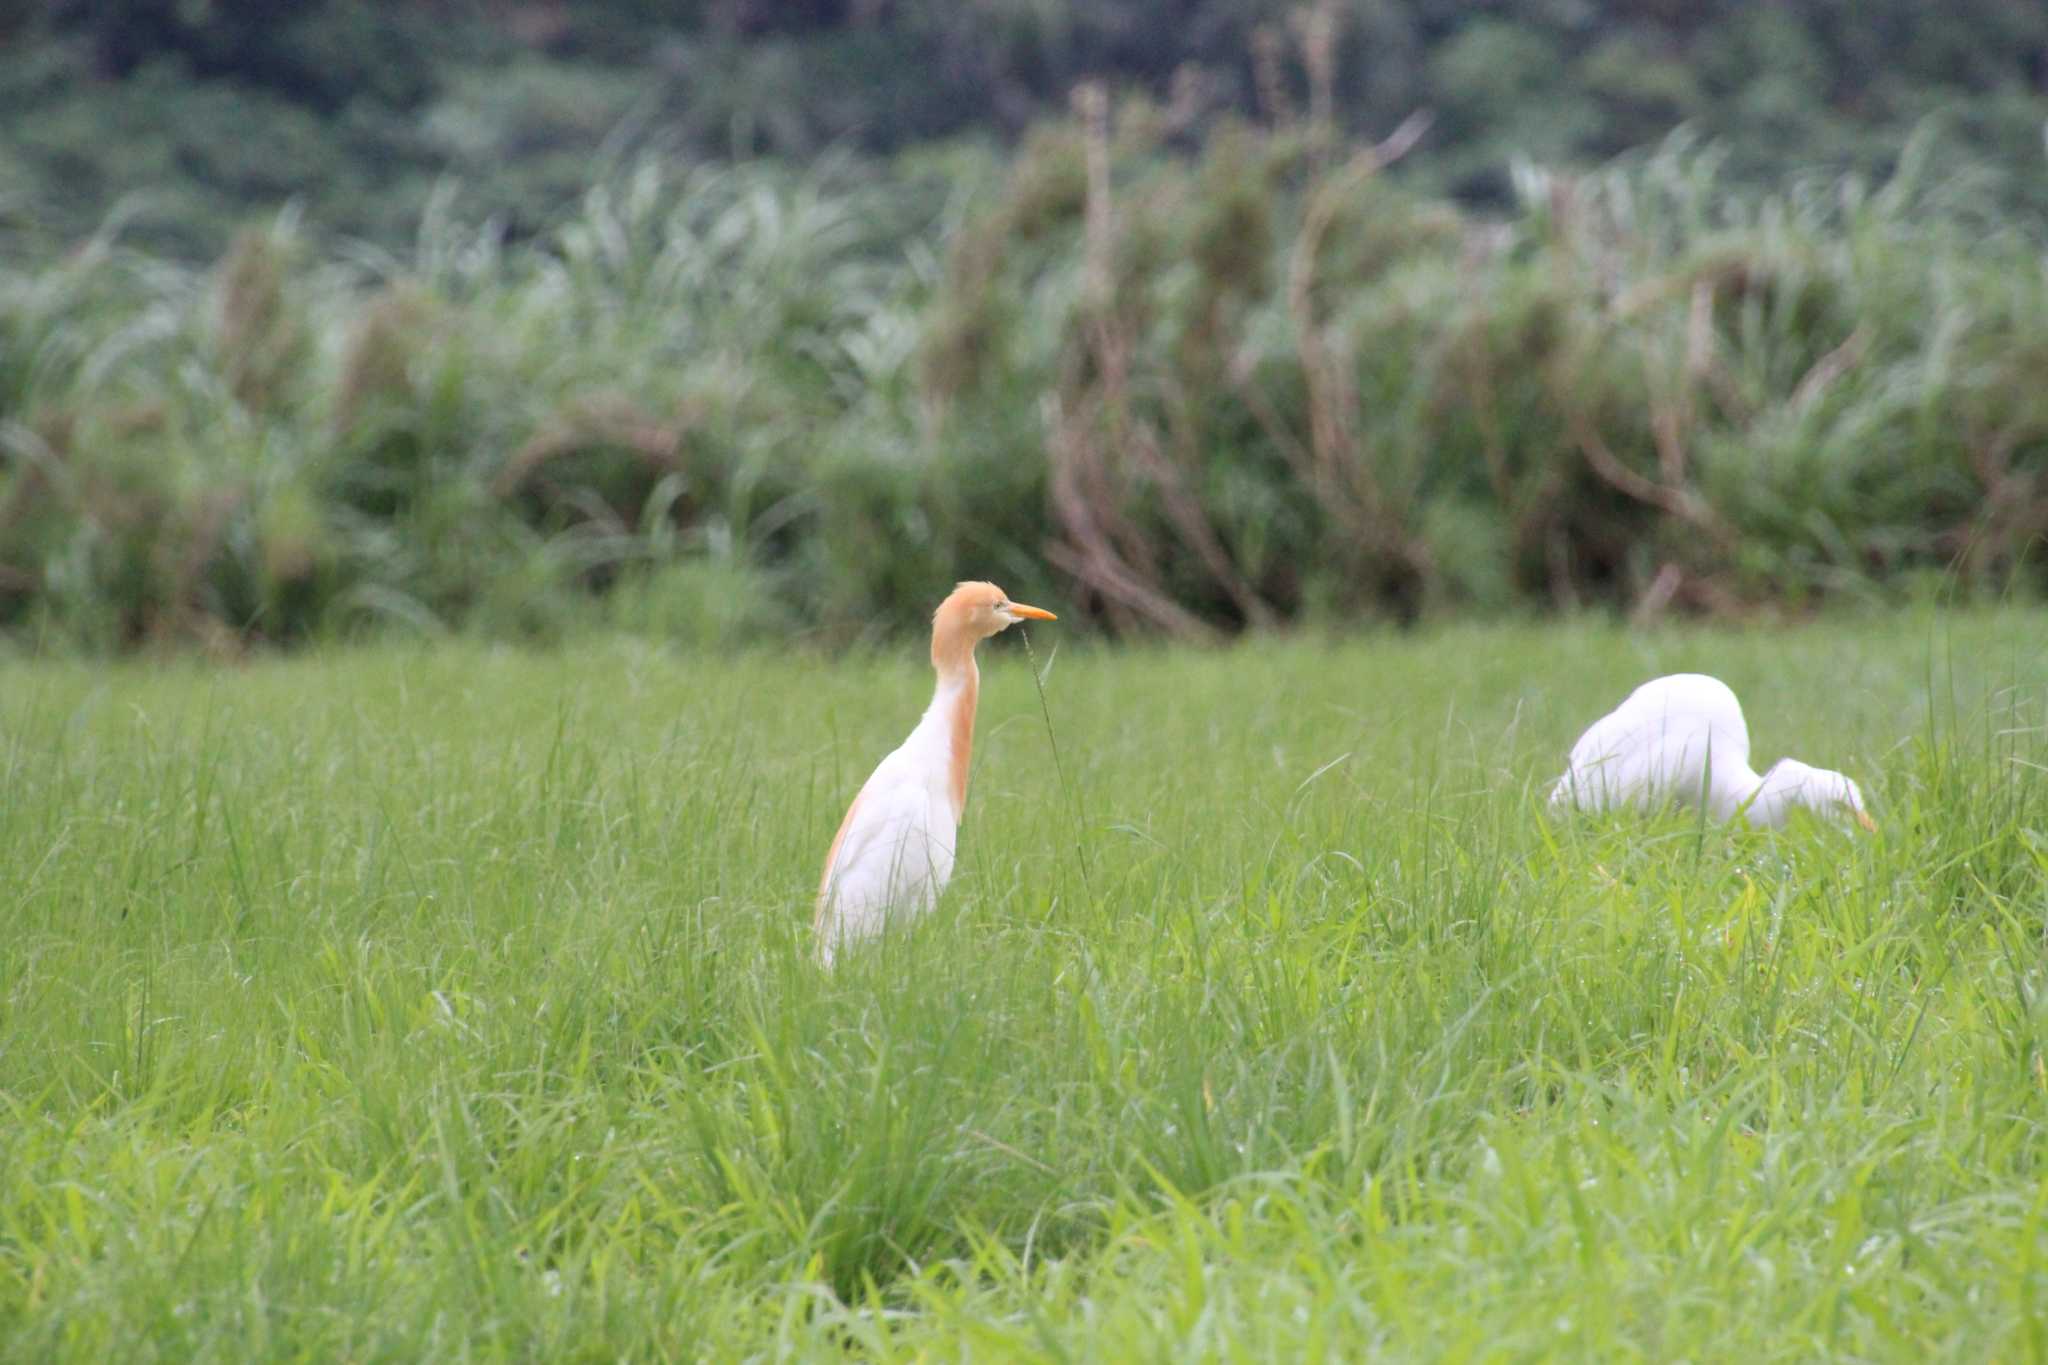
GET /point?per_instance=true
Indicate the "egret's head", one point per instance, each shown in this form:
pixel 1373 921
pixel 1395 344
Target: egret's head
pixel 1821 790
pixel 978 610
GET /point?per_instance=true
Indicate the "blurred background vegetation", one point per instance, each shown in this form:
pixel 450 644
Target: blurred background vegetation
pixel 737 318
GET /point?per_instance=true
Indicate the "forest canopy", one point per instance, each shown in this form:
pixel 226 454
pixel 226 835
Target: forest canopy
pixel 189 114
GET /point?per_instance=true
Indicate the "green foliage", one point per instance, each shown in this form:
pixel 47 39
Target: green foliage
pixel 1639 388
pixel 478 435
pixel 212 112
pixel 1251 384
pixel 456 1002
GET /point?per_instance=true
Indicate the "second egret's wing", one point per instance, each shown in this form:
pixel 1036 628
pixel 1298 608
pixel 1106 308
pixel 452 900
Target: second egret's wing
pixel 1656 745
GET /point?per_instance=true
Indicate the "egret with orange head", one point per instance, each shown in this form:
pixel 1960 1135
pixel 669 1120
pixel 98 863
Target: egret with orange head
pixel 894 849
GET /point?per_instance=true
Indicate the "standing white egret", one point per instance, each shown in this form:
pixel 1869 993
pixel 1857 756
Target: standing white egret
pixel 1681 740
pixel 894 849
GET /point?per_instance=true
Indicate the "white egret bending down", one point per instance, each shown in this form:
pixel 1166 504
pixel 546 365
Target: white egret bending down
pixel 894 849
pixel 1681 740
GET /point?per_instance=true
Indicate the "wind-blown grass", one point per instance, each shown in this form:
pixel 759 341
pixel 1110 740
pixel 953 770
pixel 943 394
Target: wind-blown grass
pixel 454 1001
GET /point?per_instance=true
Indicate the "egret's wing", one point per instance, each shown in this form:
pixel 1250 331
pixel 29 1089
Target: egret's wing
pixel 895 849
pixel 1657 745
pixel 1707 706
pixel 1611 765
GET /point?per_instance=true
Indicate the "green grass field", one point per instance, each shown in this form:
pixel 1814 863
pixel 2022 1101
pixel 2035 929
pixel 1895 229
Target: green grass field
pixel 446 1002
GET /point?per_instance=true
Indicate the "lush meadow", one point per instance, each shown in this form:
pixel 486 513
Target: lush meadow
pixel 452 1002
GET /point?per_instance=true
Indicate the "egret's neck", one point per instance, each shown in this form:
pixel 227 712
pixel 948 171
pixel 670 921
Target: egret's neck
pixel 951 714
pixel 1729 785
pixel 1771 806
pixel 1777 792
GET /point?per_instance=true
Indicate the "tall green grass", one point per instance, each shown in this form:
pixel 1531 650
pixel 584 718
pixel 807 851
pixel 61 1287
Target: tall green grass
pixel 455 1001
pixel 1236 384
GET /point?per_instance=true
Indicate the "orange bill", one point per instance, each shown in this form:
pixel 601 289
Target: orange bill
pixel 1032 613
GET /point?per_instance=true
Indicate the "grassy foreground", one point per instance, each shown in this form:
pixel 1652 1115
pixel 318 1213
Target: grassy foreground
pixel 452 1003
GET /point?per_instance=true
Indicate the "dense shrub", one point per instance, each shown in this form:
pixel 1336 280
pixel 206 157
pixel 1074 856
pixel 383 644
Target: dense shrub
pixel 1247 384
pixel 1270 382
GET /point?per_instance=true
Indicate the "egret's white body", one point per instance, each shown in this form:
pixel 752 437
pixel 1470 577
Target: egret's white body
pixel 894 850
pixel 895 847
pixel 1682 741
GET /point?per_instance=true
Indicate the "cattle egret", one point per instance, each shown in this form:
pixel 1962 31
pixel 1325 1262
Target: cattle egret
pixel 894 849
pixel 1681 740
